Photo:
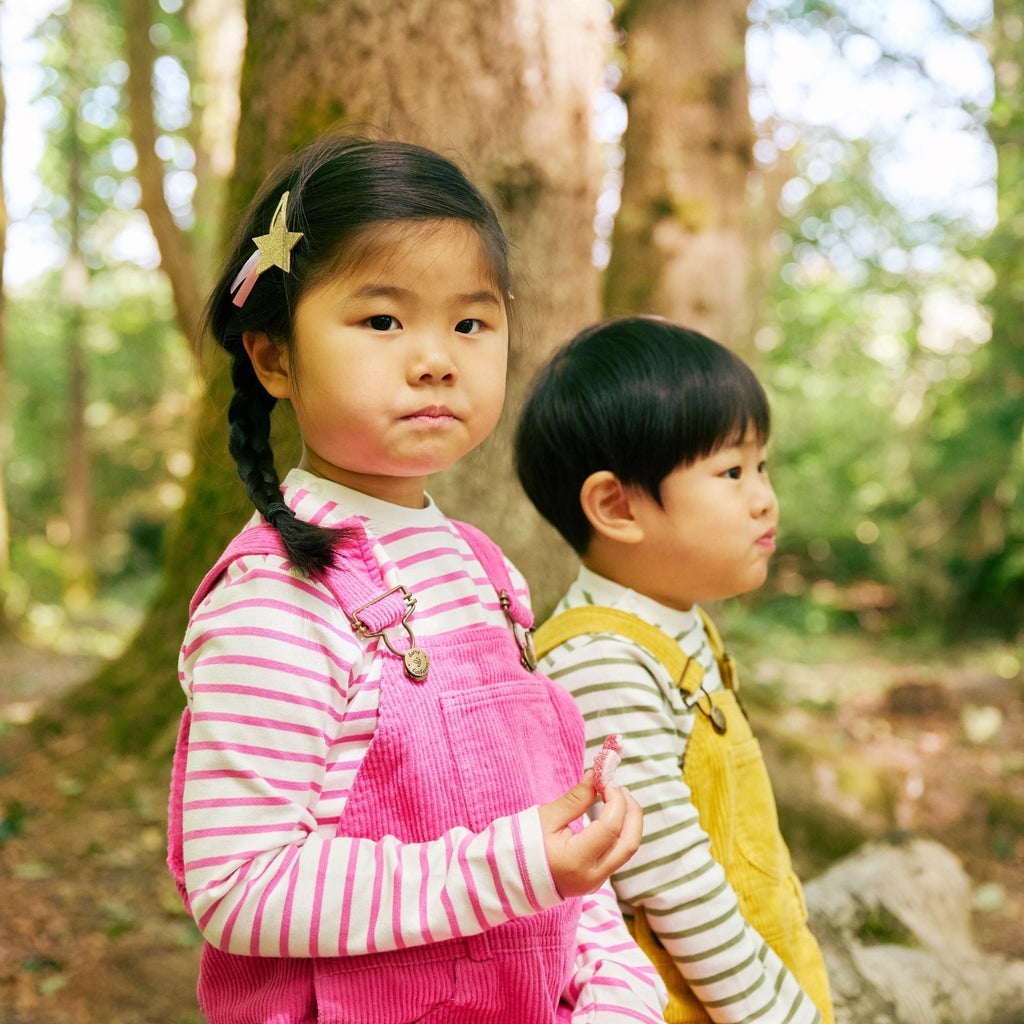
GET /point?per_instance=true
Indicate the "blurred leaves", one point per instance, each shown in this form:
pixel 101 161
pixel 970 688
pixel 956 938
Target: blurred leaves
pixel 891 348
pixel 136 412
pixel 135 366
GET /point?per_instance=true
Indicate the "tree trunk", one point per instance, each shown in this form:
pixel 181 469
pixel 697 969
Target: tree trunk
pixel 490 83
pixel 218 30
pixel 679 244
pixel 132 694
pixel 517 117
pixel 176 256
pixel 78 577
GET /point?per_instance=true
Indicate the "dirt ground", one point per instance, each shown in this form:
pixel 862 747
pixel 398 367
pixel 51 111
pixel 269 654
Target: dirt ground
pixel 92 932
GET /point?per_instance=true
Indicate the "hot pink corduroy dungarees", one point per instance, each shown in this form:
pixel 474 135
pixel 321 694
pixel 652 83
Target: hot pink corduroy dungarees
pixel 480 738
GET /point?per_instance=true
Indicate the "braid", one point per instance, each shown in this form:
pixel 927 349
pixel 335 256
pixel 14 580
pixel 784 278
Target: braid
pixel 249 437
pixel 310 548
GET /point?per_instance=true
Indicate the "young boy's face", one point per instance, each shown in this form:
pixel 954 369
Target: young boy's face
pixel 713 534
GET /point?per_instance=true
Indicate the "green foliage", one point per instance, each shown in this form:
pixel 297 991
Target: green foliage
pixel 978 435
pixel 891 350
pixel 136 415
pixel 136 369
pixel 84 108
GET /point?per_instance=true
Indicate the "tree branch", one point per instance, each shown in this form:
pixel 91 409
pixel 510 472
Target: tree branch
pixel 175 254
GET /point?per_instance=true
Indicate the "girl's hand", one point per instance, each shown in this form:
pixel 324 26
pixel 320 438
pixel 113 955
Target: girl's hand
pixel 581 862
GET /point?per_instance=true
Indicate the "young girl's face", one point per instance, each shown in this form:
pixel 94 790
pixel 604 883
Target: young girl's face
pixel 397 367
pixel 713 533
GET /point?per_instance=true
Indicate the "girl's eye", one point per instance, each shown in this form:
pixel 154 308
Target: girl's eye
pixel 733 474
pixel 383 322
pixel 762 467
pixel 469 326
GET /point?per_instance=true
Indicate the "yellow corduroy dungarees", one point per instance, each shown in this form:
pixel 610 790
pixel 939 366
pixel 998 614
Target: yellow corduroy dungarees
pixel 732 793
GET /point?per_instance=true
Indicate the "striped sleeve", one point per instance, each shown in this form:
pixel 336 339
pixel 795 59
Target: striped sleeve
pixel 673 876
pixel 281 702
pixel 612 980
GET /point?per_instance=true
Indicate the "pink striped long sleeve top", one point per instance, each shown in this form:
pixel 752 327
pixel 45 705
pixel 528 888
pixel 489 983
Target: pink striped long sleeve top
pixel 284 703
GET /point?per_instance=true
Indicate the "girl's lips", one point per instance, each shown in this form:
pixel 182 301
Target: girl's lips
pixel 430 413
pixel 767 540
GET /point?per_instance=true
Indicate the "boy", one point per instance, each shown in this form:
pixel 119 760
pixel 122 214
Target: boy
pixel 643 443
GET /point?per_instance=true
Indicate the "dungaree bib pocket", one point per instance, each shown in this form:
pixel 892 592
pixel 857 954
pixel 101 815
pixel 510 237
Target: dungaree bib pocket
pixel 494 738
pixel 756 823
pixel 730 784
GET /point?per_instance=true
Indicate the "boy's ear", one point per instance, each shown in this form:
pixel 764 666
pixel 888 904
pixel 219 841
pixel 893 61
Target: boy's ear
pixel 270 361
pixel 609 508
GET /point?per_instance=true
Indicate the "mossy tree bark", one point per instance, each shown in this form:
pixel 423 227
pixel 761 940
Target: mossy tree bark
pixel 490 83
pixel 680 245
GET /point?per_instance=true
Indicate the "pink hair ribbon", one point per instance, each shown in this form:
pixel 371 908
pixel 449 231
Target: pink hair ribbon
pixel 274 249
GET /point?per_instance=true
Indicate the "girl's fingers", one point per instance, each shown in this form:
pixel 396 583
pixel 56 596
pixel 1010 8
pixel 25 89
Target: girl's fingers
pixel 568 807
pixel 581 862
pixel 632 826
pixel 613 837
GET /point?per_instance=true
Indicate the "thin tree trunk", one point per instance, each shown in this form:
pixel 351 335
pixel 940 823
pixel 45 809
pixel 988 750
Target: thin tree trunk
pixel 679 244
pixel 78 585
pixel 219 30
pixel 176 255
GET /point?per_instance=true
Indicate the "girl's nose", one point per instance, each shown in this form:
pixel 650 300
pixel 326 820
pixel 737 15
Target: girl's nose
pixel 431 361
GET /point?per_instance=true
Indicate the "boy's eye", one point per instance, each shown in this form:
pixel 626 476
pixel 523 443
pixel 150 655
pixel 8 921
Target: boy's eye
pixel 469 326
pixel 383 322
pixel 734 473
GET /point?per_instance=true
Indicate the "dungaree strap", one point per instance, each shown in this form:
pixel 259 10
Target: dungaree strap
pixel 685 671
pixel 519 615
pixel 355 580
pixel 489 555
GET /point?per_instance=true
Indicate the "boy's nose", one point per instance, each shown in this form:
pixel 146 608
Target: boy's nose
pixel 764 498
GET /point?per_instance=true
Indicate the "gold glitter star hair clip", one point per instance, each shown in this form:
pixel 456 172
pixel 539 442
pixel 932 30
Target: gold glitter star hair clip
pixel 274 249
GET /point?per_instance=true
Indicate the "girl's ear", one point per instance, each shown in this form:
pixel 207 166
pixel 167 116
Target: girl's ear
pixel 270 361
pixel 609 508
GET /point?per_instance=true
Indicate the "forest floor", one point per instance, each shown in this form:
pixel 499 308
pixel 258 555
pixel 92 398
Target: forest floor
pixel 92 931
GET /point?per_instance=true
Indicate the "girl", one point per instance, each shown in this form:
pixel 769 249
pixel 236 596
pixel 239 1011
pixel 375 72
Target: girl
pixel 373 809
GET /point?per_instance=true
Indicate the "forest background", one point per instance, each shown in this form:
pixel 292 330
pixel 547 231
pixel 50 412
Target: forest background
pixel 834 189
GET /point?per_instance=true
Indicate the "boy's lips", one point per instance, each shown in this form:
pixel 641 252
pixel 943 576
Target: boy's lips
pixel 767 540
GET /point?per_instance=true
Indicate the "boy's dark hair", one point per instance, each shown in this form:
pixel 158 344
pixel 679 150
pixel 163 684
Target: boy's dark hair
pixel 341 188
pixel 637 396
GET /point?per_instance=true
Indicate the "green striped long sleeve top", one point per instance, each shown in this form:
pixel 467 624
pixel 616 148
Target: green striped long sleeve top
pixel 621 688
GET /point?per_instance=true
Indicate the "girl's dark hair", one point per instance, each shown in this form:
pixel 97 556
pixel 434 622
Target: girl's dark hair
pixel 340 187
pixel 637 396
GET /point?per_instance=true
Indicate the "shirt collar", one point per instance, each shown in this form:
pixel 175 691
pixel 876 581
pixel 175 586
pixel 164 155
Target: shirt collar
pixel 308 495
pixel 603 591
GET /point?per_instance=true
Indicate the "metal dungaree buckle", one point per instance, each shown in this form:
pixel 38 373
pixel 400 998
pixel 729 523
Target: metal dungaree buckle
pixel 415 659
pixel 714 714
pixel 523 637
